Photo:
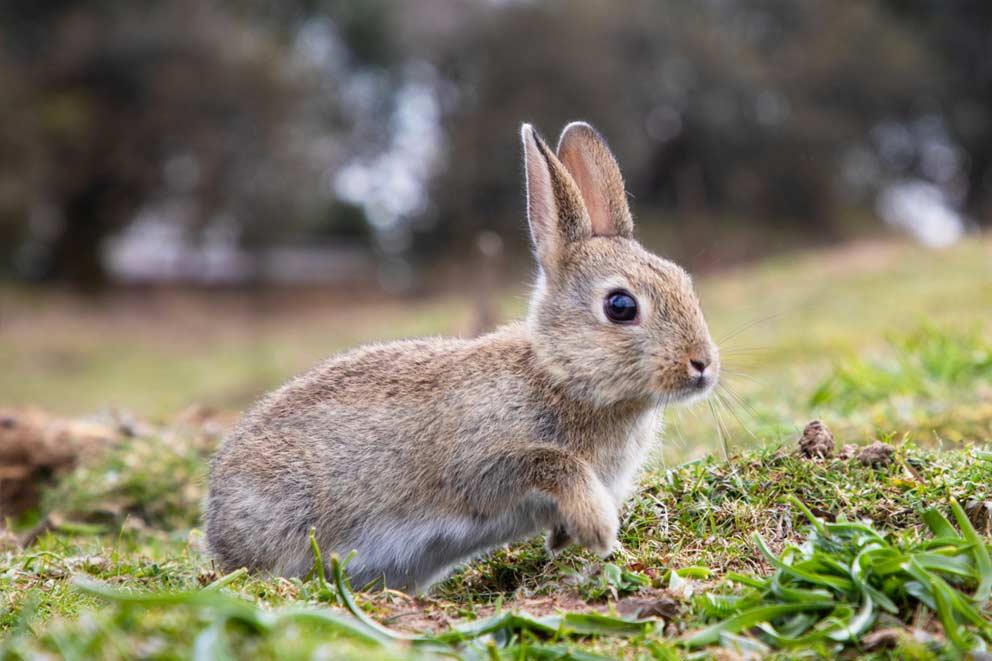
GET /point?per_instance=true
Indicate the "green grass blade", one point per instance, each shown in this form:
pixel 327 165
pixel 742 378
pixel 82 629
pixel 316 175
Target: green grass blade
pixel 881 599
pixel 226 580
pixel 750 581
pixel 950 545
pixel 957 565
pixel 697 572
pixel 983 562
pixel 922 593
pixel 544 651
pixel 228 607
pixel 231 607
pixel 781 639
pixel 814 520
pixel 344 593
pixel 849 529
pixel 798 595
pixel 585 624
pixel 836 582
pixel 857 625
pixel 868 557
pixel 797 625
pixel 938 524
pixel 743 646
pixel 746 620
pixel 329 621
pixel 945 611
pixel 509 622
pixel 604 625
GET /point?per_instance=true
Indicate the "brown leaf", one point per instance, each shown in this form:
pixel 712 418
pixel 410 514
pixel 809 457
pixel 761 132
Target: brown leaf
pixel 664 608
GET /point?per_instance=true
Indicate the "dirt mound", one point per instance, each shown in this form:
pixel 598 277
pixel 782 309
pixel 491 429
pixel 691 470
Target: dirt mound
pixel 877 454
pixel 35 447
pixel 817 441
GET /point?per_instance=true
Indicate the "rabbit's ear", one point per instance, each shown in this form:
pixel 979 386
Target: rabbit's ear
pixel 555 210
pixel 589 160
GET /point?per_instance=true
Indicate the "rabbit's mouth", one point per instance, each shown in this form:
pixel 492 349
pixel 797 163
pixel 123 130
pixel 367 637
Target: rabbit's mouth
pixel 691 390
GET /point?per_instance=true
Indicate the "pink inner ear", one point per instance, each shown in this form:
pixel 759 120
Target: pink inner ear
pixel 589 184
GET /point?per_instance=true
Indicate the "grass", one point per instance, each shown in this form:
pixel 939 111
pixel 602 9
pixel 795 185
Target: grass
pixel 709 540
pixel 832 589
pixel 767 553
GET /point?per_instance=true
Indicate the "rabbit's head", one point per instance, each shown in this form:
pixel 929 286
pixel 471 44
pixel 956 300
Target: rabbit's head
pixel 609 320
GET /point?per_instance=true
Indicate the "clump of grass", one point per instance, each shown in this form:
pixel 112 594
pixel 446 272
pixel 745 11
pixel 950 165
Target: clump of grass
pixel 705 512
pixel 830 591
pixel 158 479
pixel 611 580
pixel 825 594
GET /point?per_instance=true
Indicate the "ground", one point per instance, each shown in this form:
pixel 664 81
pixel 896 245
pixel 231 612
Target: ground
pixel 881 342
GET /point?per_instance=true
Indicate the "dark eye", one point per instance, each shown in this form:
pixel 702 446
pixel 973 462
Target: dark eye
pixel 620 307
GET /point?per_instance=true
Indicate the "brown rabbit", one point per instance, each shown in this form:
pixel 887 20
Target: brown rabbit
pixel 421 454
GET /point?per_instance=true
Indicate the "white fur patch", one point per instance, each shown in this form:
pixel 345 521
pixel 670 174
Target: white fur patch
pixel 413 553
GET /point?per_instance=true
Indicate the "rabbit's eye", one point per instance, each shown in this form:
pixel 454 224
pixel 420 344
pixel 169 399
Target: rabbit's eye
pixel 620 307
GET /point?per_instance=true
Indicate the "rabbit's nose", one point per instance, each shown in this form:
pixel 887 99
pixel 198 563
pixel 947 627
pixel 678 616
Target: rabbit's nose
pixel 698 365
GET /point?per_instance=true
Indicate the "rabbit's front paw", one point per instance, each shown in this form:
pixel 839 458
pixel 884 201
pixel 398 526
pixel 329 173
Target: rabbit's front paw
pixel 595 525
pixel 600 537
pixel 558 540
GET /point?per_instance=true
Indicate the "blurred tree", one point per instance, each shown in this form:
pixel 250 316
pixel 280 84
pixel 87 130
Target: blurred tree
pixel 121 105
pixel 314 117
pixel 959 34
pixel 745 109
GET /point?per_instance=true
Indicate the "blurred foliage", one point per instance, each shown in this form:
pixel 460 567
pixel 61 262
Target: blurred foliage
pixel 925 363
pixel 711 107
pixel 312 118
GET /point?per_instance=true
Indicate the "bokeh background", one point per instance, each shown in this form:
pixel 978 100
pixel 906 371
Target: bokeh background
pixel 199 198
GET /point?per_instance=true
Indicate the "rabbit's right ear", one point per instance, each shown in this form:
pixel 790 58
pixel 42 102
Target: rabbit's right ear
pixel 555 210
pixel 586 156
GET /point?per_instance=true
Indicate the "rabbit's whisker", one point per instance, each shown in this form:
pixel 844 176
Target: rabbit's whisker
pixel 734 374
pixel 677 424
pixel 730 409
pixel 721 430
pixel 748 325
pixel 740 401
pixel 743 351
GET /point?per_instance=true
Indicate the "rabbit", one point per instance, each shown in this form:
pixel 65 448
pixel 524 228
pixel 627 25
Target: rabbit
pixel 421 454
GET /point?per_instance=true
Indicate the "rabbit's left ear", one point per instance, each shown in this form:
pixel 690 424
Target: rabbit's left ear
pixel 554 203
pixel 584 153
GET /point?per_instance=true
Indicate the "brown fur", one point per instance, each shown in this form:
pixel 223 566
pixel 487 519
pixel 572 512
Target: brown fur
pixel 420 454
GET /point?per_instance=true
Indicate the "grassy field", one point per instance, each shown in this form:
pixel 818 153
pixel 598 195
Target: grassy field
pixel 757 555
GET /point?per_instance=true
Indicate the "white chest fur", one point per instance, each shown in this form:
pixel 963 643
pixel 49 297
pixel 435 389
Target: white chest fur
pixel 620 470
